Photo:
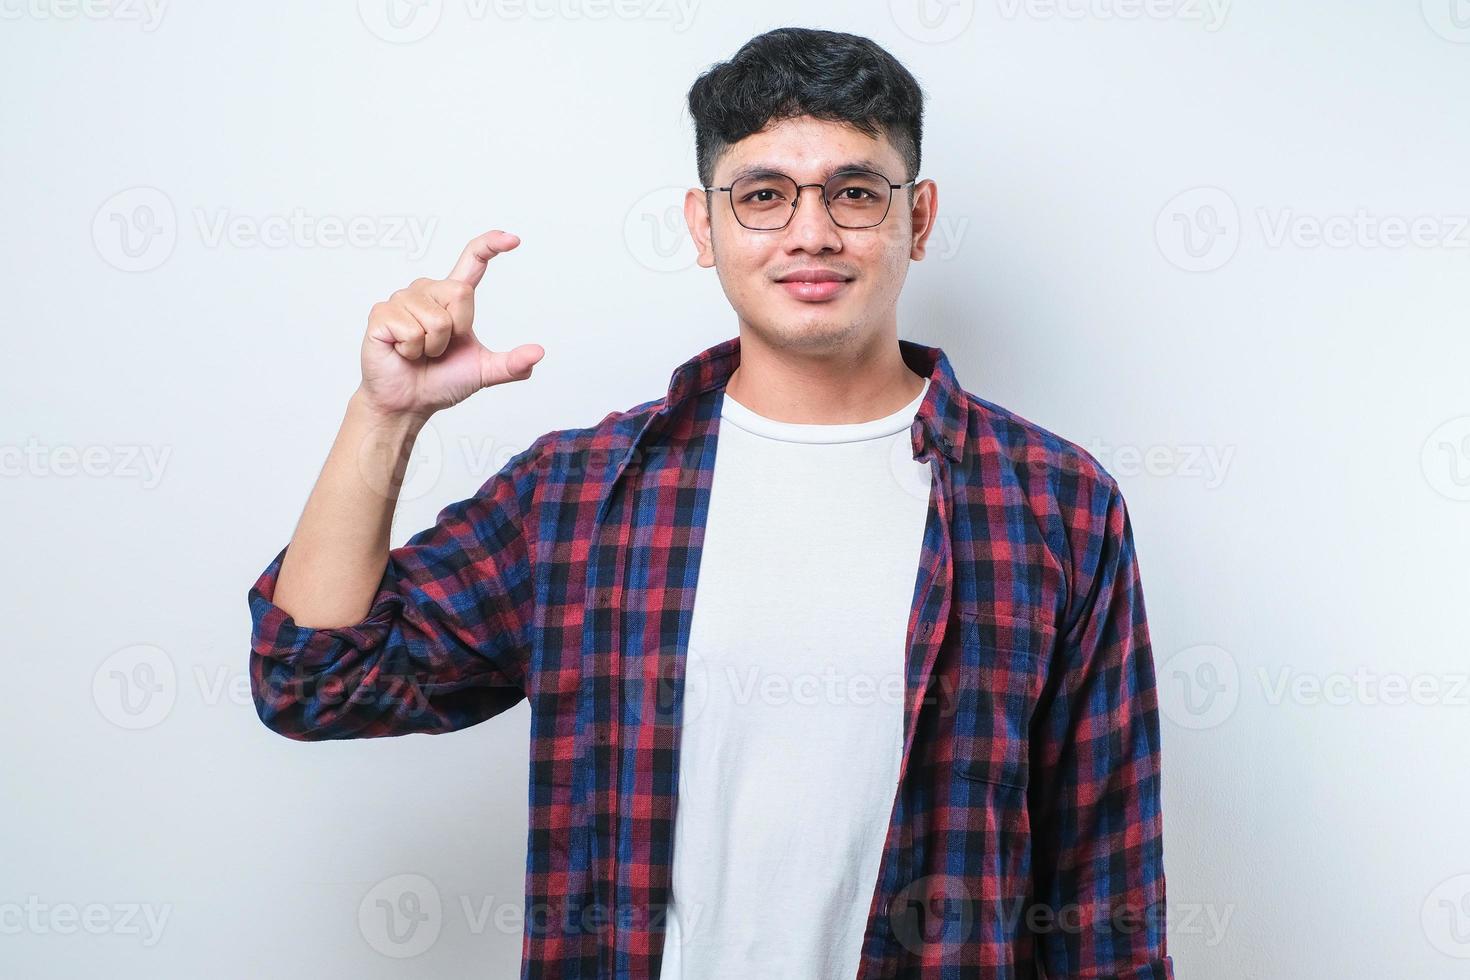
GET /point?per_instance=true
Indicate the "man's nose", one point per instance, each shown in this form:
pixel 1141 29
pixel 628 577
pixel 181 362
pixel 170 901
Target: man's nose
pixel 811 225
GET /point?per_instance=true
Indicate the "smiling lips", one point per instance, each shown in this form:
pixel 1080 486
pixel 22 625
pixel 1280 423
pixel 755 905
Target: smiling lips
pixel 812 285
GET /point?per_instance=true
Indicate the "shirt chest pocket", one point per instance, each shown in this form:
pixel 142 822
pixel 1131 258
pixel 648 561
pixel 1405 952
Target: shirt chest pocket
pixel 1002 668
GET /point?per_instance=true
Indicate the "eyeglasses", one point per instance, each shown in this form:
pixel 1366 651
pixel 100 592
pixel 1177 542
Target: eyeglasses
pixel 854 199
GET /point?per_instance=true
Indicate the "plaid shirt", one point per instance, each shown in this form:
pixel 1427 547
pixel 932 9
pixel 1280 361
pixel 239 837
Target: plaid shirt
pixel 1026 833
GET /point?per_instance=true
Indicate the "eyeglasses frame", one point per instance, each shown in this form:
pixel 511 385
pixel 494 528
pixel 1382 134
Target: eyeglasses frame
pixel 826 205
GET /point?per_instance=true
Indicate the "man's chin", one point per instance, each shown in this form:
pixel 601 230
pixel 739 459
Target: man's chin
pixel 811 327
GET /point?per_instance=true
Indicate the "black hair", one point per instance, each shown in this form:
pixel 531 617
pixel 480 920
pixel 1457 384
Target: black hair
pixel 798 71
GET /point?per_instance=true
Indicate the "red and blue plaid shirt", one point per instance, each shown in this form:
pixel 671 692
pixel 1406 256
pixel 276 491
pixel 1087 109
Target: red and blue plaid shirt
pixel 1026 832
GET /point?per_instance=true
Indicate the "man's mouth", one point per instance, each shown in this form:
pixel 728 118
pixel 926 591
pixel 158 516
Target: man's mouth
pixel 813 285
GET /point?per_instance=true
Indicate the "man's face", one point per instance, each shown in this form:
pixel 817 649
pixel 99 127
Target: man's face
pixel 872 261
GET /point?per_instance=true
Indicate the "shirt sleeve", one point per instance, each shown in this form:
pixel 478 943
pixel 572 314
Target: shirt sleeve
pixel 444 646
pixel 1096 817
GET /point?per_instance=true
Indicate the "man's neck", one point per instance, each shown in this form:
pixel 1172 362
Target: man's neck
pixel 823 387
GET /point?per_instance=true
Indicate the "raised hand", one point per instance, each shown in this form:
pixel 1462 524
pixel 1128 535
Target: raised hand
pixel 421 354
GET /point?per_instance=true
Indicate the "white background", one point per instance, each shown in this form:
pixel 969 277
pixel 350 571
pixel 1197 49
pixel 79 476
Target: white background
pixel 1183 236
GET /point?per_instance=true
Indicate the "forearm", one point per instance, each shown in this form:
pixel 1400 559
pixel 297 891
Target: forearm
pixel 1097 755
pixel 336 557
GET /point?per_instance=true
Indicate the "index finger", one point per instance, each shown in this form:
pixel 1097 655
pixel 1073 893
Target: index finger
pixel 477 254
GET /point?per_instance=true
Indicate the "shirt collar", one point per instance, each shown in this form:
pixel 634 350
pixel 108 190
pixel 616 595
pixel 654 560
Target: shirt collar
pixel 941 421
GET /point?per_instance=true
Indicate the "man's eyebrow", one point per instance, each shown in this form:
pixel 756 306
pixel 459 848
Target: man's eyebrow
pixel 768 170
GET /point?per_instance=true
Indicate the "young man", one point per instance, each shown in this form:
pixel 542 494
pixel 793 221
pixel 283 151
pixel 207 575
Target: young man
pixel 835 669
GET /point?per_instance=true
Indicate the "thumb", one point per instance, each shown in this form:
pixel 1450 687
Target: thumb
pixel 498 367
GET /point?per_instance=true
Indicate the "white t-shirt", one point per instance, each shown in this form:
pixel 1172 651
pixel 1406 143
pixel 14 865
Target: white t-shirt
pixel 793 705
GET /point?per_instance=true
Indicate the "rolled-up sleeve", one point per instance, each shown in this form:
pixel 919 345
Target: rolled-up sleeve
pixel 444 645
pixel 1097 822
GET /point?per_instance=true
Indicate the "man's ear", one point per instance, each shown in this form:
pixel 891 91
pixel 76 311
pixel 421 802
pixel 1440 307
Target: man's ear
pixel 925 213
pixel 696 216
